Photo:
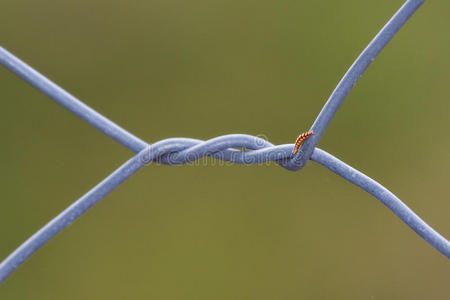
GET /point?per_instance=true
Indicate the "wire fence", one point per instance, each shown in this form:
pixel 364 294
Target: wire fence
pixel 184 150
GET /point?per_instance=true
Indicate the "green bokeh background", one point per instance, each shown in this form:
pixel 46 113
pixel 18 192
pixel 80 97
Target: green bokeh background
pixel 206 68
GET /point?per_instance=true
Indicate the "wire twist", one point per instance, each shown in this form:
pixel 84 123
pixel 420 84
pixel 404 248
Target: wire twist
pixel 178 151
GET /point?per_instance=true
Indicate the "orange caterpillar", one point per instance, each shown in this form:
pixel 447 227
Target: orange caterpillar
pixel 301 138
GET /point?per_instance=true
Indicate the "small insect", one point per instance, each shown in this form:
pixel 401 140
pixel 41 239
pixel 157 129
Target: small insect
pixel 301 138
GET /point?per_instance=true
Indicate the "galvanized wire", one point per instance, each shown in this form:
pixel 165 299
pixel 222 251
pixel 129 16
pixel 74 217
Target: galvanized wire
pixel 184 150
pixel 352 75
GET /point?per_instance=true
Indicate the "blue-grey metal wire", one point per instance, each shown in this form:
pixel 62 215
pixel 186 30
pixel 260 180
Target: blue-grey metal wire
pixel 183 150
pixel 348 81
pixel 68 101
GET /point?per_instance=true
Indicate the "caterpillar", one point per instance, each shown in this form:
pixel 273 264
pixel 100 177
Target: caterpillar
pixel 301 138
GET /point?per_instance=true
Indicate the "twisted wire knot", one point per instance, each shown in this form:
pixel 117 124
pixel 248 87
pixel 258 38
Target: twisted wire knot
pixel 177 151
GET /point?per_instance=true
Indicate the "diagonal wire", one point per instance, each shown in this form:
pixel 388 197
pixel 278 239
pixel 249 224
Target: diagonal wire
pixel 71 103
pixel 351 76
pixel 66 217
pixel 183 150
pixel 386 197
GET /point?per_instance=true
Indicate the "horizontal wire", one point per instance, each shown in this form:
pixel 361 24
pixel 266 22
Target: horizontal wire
pixel 186 150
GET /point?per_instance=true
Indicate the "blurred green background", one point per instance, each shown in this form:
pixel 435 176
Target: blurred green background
pixel 206 68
